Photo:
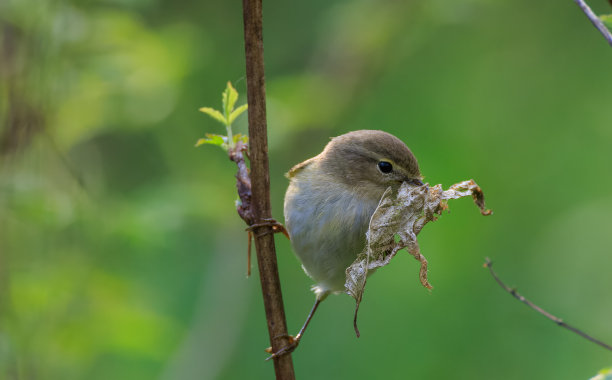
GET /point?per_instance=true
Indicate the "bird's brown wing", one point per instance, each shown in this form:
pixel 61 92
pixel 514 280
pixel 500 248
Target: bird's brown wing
pixel 299 167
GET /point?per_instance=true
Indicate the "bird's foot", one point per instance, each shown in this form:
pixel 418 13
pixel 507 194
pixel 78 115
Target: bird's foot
pixel 276 227
pixel 289 348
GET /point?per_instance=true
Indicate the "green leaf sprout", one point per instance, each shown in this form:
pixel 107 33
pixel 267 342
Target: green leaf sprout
pixel 226 117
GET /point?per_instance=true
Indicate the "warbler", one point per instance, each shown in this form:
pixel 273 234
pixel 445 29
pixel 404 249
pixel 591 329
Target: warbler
pixel 331 198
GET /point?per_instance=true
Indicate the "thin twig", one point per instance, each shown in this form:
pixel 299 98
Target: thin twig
pixel 260 187
pixel 595 20
pixel 488 264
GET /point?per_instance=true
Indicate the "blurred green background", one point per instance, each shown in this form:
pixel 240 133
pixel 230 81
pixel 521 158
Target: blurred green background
pixel 121 254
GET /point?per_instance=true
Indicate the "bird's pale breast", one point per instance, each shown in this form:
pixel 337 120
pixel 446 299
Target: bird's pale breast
pixel 327 222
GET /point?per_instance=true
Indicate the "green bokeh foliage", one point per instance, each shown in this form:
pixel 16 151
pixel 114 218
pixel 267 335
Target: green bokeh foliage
pixel 121 254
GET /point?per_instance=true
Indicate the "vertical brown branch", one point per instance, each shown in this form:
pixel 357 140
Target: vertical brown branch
pixel 22 119
pixel 260 182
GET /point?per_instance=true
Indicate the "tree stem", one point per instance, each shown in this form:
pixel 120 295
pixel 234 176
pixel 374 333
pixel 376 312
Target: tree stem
pixel 260 185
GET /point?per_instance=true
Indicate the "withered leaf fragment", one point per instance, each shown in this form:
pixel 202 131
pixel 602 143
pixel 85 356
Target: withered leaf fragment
pixel 395 224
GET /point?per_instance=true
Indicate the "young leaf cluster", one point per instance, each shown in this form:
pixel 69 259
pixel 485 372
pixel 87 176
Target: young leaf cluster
pixel 226 116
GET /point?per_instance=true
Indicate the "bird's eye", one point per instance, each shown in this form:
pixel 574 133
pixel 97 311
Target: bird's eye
pixel 385 167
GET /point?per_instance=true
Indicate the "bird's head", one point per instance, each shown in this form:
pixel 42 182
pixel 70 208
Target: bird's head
pixel 370 161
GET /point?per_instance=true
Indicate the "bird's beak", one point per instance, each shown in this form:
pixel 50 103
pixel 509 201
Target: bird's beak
pixel 415 182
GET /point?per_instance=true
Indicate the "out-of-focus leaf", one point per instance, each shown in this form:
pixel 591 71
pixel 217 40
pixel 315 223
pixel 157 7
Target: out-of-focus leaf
pixel 214 114
pixel 230 96
pixel 240 137
pixel 213 140
pixel 237 112
pixel 395 224
pixel 607 20
pixel 604 374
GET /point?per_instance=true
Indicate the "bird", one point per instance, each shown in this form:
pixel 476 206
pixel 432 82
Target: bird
pixel 330 200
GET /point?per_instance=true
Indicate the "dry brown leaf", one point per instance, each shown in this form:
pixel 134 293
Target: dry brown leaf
pixel 395 224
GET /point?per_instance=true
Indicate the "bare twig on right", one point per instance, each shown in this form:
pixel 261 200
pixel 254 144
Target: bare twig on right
pixel 489 265
pixel 595 20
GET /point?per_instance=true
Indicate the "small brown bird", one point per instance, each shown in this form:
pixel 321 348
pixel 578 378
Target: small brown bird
pixel 331 198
